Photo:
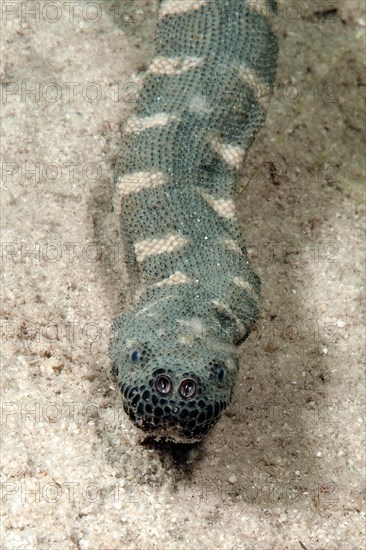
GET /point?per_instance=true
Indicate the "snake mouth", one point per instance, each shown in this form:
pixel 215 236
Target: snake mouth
pixel 171 430
pixel 170 407
pixel 184 423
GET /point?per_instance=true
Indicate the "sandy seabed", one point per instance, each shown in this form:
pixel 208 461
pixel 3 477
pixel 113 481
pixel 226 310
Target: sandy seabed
pixel 283 469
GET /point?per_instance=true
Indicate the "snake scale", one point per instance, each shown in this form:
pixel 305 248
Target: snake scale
pixel 203 100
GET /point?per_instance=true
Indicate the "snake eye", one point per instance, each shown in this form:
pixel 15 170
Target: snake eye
pixel 187 388
pixel 135 356
pixel 163 384
pixel 220 373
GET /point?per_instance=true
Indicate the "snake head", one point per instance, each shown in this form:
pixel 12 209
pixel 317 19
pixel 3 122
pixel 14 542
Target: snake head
pixel 173 388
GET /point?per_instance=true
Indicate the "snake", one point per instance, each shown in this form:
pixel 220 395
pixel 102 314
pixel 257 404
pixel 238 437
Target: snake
pixel 204 97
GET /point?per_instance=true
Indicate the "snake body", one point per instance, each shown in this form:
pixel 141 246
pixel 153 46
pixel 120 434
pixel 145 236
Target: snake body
pixel 203 100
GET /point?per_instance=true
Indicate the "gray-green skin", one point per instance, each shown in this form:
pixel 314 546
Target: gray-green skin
pixel 175 353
